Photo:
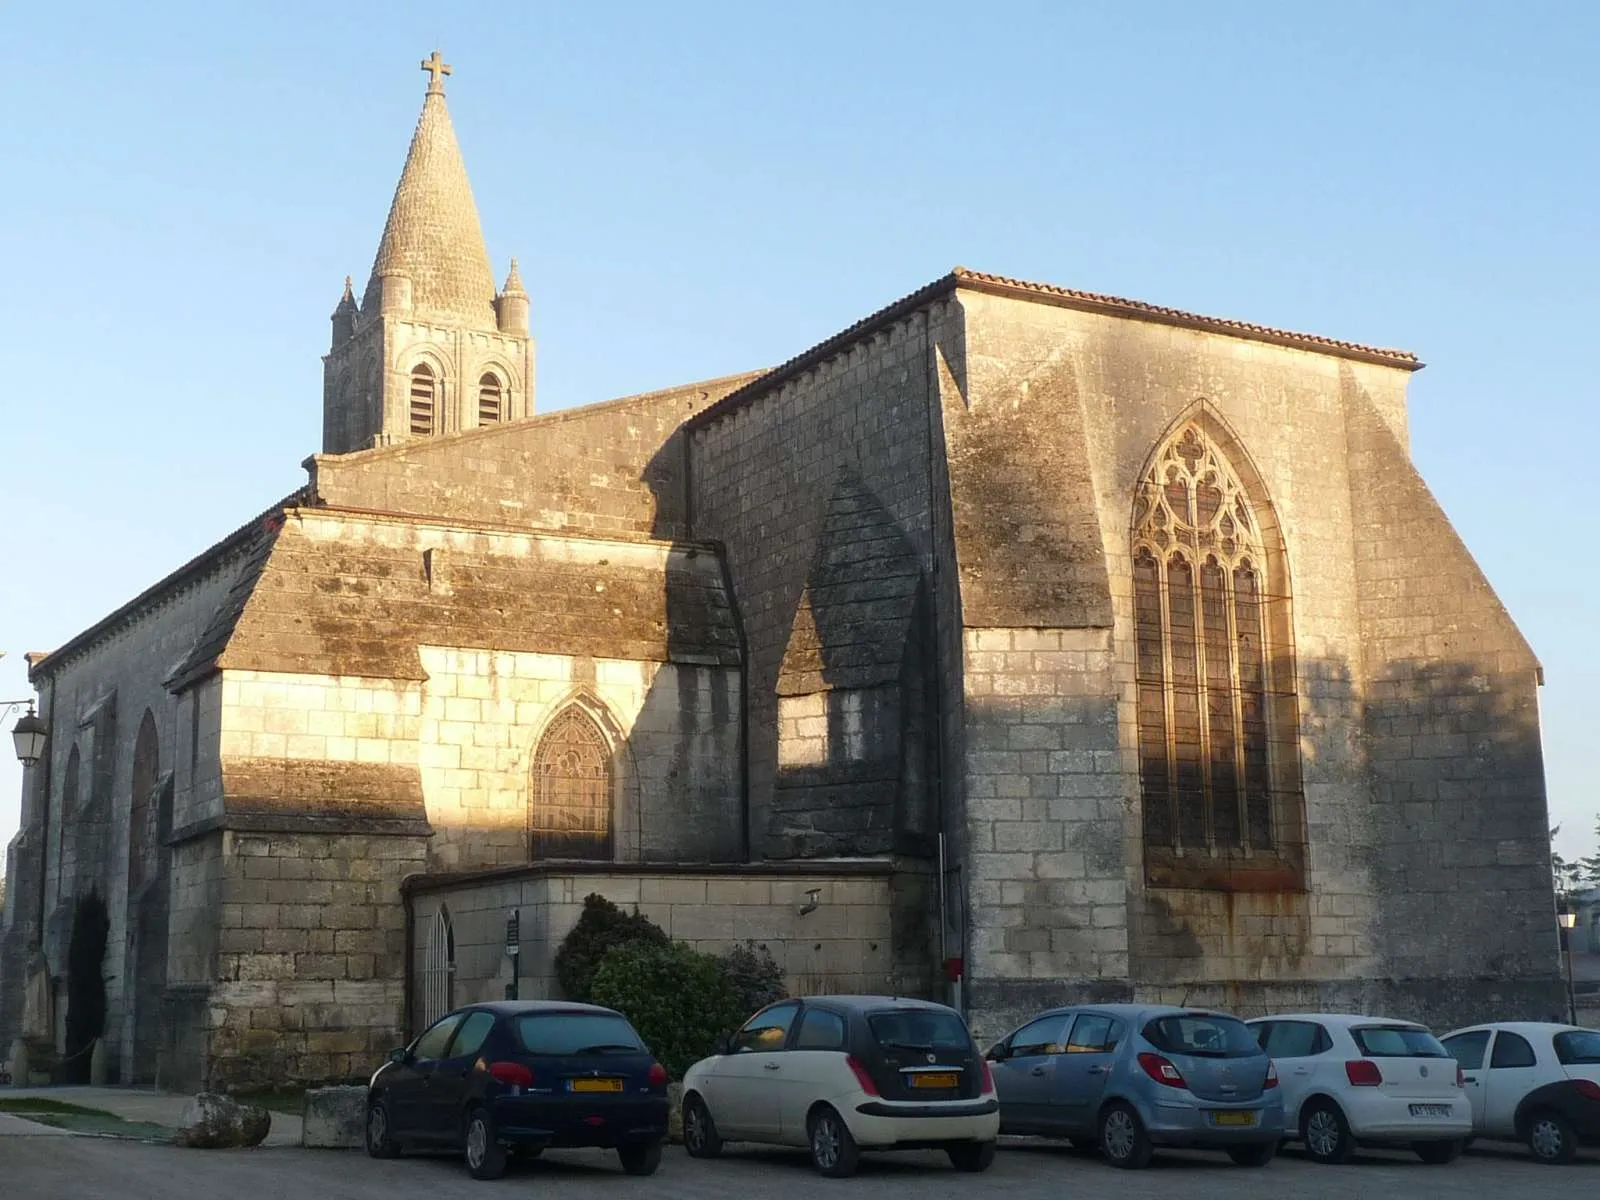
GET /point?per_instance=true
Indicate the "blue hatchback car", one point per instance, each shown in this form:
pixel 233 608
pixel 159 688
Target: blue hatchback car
pixel 1131 1077
pixel 513 1077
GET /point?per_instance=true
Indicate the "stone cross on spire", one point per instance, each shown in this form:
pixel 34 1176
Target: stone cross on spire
pixel 435 67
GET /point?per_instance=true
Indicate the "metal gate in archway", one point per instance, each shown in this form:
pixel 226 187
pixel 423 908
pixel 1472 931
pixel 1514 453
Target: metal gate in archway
pixel 438 969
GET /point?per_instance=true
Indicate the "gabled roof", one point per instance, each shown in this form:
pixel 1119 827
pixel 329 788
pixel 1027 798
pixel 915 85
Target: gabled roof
pixel 963 279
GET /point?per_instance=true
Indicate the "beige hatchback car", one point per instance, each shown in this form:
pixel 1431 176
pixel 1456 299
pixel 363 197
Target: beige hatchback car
pixel 843 1074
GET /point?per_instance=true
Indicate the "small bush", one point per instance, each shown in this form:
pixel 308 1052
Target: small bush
pixel 680 1001
pixel 600 928
pixel 755 975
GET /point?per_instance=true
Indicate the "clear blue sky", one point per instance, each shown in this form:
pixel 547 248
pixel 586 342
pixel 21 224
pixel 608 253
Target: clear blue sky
pixel 694 189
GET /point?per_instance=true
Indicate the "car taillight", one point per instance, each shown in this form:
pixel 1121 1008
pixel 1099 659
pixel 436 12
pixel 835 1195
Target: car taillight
pixel 1461 1077
pixel 1363 1072
pixel 1161 1070
pixel 514 1074
pixel 988 1077
pixel 861 1075
pixel 1272 1075
pixel 1588 1088
pixel 658 1075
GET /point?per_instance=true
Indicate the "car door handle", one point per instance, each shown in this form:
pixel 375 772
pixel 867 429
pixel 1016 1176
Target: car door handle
pixel 1096 1070
pixel 770 1067
pixel 1037 1071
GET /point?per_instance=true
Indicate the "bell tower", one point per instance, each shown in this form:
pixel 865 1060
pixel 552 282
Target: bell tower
pixel 431 348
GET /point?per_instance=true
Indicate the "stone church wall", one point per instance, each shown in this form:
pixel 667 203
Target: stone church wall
pixel 844 946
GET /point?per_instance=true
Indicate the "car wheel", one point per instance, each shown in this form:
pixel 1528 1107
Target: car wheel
pixel 971 1156
pixel 1122 1137
pixel 700 1136
pixel 640 1158
pixel 1439 1153
pixel 1258 1155
pixel 486 1157
pixel 1551 1138
pixel 380 1131
pixel 1326 1133
pixel 833 1150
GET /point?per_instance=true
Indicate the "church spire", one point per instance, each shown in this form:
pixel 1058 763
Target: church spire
pixel 432 253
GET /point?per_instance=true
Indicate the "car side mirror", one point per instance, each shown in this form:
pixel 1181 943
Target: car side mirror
pixel 399 1056
pixel 998 1053
pixel 725 1044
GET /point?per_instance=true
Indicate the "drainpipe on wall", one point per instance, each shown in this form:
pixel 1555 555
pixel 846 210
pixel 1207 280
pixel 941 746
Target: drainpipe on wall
pixel 410 955
pixel 42 798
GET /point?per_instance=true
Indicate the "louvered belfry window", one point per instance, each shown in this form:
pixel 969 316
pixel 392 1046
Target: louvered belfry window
pixel 491 400
pixel 424 401
pixel 1205 659
pixel 570 813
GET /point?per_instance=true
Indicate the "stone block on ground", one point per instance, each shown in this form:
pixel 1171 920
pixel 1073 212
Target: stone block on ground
pixel 335 1118
pixel 211 1121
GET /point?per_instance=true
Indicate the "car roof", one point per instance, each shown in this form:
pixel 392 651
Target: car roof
pixel 516 1008
pixel 1338 1020
pixel 1520 1027
pixel 1132 1011
pixel 865 1003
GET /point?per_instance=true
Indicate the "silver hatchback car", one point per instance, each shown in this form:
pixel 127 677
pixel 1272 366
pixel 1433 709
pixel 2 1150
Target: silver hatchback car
pixel 1131 1077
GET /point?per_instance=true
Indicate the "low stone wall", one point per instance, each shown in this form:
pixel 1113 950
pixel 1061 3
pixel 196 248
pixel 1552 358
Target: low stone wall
pixel 845 944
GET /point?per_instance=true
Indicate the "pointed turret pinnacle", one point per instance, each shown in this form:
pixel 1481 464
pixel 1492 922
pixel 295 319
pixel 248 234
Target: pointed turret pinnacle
pixel 433 237
pixel 513 285
pixel 347 302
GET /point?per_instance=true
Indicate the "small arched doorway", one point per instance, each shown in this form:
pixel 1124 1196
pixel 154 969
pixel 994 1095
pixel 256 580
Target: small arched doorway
pixel 438 969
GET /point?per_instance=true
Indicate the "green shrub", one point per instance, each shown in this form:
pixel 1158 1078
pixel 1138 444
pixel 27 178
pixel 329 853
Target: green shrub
pixel 755 975
pixel 600 928
pixel 681 1001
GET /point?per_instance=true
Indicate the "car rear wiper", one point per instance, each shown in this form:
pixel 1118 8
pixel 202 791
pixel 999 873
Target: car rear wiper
pixel 924 1046
pixel 601 1047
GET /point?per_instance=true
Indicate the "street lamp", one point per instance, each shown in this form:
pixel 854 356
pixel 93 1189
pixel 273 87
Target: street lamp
pixel 1567 918
pixel 29 734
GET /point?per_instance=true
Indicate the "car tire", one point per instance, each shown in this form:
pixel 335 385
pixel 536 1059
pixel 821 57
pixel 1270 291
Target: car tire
pixel 971 1156
pixel 640 1158
pixel 380 1130
pixel 700 1136
pixel 1551 1138
pixel 1326 1133
pixel 1123 1140
pixel 833 1149
pixel 1438 1153
pixel 1258 1155
pixel 486 1157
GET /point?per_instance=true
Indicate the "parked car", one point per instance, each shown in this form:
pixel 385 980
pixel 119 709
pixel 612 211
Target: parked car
pixel 516 1077
pixel 843 1074
pixel 1131 1077
pixel 1532 1082
pixel 1354 1080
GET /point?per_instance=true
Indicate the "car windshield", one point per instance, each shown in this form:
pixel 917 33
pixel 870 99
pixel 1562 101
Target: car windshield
pixel 1578 1046
pixel 1203 1035
pixel 1397 1041
pixel 576 1033
pixel 918 1029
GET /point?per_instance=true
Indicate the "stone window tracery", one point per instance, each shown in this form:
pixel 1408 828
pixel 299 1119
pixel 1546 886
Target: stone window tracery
pixel 1204 659
pixel 570 816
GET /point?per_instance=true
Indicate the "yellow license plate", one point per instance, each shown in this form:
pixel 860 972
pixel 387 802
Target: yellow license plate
pixel 931 1079
pixel 1233 1118
pixel 597 1085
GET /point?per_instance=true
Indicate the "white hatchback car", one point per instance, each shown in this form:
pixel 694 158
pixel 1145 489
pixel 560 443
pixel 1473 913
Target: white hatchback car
pixel 1532 1082
pixel 1353 1080
pixel 842 1074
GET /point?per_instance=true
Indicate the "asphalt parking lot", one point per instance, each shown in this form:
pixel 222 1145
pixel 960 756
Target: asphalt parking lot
pixel 78 1168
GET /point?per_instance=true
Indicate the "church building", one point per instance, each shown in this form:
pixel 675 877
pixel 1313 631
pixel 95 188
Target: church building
pixel 1015 645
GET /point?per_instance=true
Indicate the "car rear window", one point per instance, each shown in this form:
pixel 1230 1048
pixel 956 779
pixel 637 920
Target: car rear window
pixel 576 1033
pixel 1577 1046
pixel 918 1029
pixel 1203 1035
pixel 1397 1041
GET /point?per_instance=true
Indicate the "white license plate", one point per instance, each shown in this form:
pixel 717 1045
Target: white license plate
pixel 1430 1110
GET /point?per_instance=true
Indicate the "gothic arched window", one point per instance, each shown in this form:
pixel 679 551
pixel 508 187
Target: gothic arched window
pixel 142 812
pixel 1218 765
pixel 569 815
pixel 424 401
pixel 491 399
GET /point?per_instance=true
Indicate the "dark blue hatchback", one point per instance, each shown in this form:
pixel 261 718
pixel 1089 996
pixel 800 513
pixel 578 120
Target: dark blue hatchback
pixel 514 1077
